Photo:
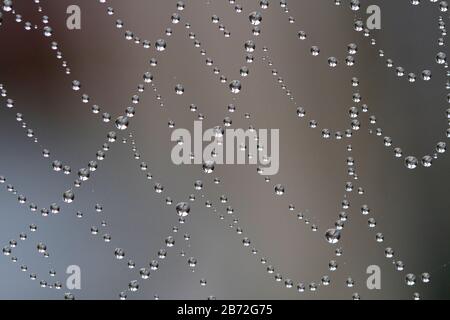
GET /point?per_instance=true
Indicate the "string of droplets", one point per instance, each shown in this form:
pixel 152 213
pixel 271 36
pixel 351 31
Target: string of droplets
pixel 121 122
pixel 332 235
pixel 30 133
pixel 160 44
pixel 215 19
pixel 23 236
pixel 54 208
pixel 410 278
pixel 411 162
pixel 301 111
pixel 400 71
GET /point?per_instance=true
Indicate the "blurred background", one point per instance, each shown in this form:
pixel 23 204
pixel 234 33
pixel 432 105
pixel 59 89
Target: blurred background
pixel 411 207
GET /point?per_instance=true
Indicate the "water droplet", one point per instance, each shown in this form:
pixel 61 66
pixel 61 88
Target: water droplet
pixel 411 162
pixel 41 247
pixel 119 253
pixel 179 89
pixel 426 277
pixel 208 167
pixel 410 279
pixel 133 286
pixel 160 45
pixel 333 236
pixel 255 18
pixel 122 123
pixel 441 58
pixel 279 190
pixel 183 209
pixel 68 196
pixel 235 86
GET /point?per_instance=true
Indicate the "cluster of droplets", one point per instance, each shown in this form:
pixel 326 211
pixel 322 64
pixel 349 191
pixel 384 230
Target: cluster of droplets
pixel 8 7
pixel 57 165
pixel 235 86
pixel 41 247
pixel 54 208
pixel 30 133
pixel 365 210
pixel 160 44
pixel 182 210
pixel 216 20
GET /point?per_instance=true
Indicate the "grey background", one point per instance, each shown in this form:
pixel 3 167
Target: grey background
pixel 411 207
